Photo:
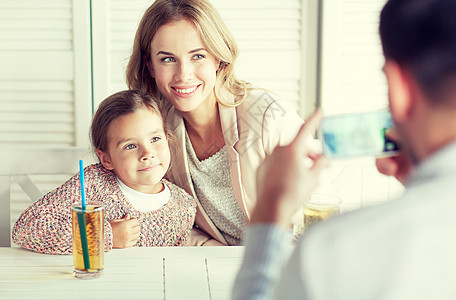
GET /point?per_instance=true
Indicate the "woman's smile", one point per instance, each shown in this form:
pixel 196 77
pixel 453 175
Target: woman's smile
pixel 183 68
pixel 185 91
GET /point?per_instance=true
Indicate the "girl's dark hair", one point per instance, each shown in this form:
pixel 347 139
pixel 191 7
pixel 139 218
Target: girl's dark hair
pixel 120 104
pixel 420 35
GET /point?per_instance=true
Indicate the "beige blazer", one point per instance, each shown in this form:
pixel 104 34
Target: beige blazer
pixel 251 131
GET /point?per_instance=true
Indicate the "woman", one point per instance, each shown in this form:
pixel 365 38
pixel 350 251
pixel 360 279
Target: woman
pixel 184 54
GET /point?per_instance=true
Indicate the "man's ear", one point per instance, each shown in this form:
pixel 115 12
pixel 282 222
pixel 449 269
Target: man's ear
pixel 150 68
pixel 105 159
pixel 400 91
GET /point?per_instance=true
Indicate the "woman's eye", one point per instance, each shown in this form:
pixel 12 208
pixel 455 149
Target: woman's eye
pixel 155 139
pixel 198 56
pixel 129 147
pixel 168 59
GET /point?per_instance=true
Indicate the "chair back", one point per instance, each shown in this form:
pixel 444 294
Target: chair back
pixel 17 164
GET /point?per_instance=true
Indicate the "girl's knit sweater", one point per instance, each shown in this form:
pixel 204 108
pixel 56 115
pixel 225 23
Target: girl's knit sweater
pixel 45 226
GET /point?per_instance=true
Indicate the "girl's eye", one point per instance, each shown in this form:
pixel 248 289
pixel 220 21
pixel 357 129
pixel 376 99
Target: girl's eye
pixel 129 147
pixel 168 59
pixel 198 56
pixel 155 139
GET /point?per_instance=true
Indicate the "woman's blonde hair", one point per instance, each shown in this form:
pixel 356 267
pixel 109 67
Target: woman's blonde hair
pixel 214 34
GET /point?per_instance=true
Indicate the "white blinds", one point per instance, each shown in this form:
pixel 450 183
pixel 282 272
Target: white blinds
pixel 352 80
pixel 268 34
pixel 36 74
pixel 269 37
pixel 45 80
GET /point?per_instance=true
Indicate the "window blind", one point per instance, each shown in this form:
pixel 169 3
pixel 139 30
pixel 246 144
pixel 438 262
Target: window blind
pixel 268 33
pixel 352 81
pixel 44 81
pixel 36 90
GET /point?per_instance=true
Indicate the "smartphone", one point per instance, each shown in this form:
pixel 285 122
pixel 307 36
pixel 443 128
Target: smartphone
pixel 358 134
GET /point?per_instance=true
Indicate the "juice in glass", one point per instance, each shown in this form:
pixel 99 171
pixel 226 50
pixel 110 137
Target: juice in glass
pixel 320 207
pixel 88 240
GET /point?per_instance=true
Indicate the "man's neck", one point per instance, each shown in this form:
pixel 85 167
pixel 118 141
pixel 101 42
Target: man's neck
pixel 435 130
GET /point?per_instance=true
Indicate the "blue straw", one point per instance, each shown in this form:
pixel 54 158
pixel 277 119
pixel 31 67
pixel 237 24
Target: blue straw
pixel 81 220
pixel 81 177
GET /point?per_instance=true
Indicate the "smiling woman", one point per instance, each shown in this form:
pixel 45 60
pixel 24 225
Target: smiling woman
pixel 185 55
pixel 186 70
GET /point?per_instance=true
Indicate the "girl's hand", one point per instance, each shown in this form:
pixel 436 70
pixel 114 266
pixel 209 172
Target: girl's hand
pixel 125 232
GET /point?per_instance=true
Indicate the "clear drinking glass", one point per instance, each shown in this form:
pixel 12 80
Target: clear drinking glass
pixel 320 207
pixel 88 240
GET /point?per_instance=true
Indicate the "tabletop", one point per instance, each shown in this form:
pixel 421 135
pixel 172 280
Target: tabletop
pixel 133 273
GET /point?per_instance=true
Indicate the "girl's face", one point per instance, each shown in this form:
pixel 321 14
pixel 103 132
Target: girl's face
pixel 184 71
pixel 138 151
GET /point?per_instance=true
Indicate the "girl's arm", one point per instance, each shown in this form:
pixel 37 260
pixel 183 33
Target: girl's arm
pixel 46 226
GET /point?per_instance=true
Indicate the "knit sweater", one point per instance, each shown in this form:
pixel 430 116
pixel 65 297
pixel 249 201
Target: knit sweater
pixel 45 226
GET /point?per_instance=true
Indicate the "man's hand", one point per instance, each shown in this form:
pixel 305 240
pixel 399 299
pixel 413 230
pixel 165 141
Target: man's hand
pixel 398 166
pixel 285 179
pixel 125 232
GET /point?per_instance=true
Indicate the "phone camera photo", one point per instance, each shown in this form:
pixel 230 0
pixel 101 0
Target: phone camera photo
pixel 360 134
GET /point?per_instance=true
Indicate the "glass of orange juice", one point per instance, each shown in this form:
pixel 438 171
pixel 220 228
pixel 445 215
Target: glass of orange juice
pixel 88 240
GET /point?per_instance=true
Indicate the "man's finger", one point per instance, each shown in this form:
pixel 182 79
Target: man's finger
pixel 309 127
pixel 320 164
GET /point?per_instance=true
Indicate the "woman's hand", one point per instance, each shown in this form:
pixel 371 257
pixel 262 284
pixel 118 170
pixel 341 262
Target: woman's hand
pixel 285 179
pixel 125 232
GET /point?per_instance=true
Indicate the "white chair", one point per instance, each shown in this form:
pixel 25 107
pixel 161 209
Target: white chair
pixel 18 164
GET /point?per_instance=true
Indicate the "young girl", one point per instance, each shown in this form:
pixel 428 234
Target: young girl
pixel 141 208
pixel 184 54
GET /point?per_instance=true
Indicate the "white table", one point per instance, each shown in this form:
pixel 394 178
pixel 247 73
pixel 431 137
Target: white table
pixel 134 273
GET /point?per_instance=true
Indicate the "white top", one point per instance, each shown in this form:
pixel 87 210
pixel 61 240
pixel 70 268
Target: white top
pixel 145 202
pixel 251 131
pixel 402 249
pixel 212 182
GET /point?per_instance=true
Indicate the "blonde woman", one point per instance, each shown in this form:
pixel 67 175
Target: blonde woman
pixel 184 54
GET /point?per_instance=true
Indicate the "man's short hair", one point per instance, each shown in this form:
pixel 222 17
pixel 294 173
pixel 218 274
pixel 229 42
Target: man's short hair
pixel 420 35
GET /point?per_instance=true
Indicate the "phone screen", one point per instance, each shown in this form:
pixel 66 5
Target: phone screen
pixel 360 134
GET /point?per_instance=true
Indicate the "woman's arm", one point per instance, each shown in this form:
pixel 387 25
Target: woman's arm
pixel 199 238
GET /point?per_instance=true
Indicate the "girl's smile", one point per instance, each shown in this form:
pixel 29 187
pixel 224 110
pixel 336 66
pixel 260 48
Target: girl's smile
pixel 138 151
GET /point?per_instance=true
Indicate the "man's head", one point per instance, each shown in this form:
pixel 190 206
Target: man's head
pixel 420 35
pixel 419 45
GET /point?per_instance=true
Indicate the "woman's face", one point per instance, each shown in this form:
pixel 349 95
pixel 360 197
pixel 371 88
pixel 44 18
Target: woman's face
pixel 138 151
pixel 184 71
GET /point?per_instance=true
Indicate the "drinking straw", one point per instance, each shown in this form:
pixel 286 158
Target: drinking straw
pixel 81 220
